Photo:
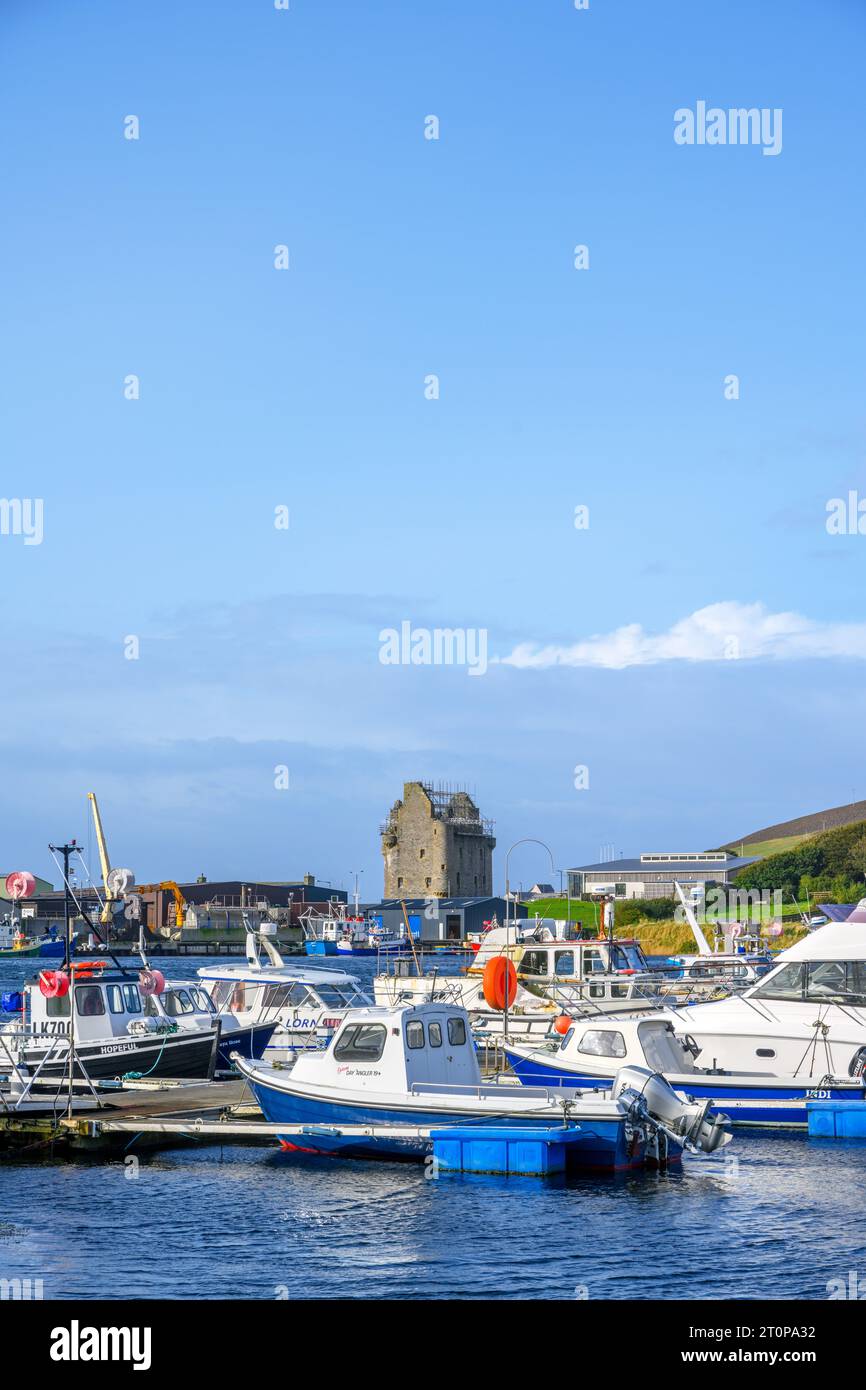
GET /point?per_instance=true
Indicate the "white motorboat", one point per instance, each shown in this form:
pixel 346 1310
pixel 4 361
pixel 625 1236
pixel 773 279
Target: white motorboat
pixel 806 1018
pixel 285 1006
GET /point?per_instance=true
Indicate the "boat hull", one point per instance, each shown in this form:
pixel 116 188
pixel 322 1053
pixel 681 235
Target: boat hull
pixel 320 948
pixel 764 1102
pixel 246 1042
pixel 608 1144
pixel 188 1056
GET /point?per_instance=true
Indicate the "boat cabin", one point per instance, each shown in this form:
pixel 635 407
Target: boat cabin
pixel 601 1045
pixel 396 1049
pixel 113 1005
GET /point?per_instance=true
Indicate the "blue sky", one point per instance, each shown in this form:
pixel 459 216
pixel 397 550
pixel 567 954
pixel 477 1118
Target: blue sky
pixel 305 388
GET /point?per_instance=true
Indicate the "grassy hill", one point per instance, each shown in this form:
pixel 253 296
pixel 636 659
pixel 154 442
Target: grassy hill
pixel 788 834
pixel 831 865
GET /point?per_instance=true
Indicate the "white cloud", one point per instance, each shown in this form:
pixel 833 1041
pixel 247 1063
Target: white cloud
pixel 714 633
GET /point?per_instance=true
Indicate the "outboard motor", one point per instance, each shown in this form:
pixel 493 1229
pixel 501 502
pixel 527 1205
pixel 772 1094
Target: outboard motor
pixel 686 1120
pixel 857 1066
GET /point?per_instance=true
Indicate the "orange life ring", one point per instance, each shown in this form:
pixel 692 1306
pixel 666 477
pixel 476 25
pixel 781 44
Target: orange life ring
pixel 499 975
pixel 87 967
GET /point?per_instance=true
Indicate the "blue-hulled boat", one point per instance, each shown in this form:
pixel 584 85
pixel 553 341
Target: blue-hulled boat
pixel 589 1051
pixel 391 1075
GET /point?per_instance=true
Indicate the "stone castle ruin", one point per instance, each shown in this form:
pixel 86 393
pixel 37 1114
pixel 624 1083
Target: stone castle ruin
pixel 435 845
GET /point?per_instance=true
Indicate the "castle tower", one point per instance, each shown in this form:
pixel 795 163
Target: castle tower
pixel 435 845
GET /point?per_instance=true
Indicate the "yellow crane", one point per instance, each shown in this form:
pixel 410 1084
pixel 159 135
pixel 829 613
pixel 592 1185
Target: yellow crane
pixel 115 891
pixel 105 915
pixel 167 886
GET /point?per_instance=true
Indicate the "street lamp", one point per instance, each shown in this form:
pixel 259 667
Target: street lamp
pixel 528 841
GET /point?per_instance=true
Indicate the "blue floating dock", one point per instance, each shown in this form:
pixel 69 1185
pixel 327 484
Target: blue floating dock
pixel 836 1119
pixel 527 1152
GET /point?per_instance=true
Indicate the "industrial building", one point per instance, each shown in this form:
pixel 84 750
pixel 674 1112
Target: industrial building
pixel 222 904
pixel 655 875
pixel 443 919
pixel 436 844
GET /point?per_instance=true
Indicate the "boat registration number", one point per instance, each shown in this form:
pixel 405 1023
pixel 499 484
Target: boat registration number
pixel 818 1095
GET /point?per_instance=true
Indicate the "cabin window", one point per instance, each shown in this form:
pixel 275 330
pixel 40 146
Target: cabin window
pixel 414 1034
pixel 456 1032
pixel 332 997
pixel 201 1000
pixel 534 963
pixel 57 1007
pixel 114 995
pixel 434 1034
pixel 820 981
pixel 619 991
pixel 131 998
pixel 176 1002
pixel 564 963
pixel 275 996
pixel 592 960
pixel 629 958
pixel 596 991
pixel 600 1044
pixel 765 1052
pixel 220 993
pixel 88 1001
pixel 361 1042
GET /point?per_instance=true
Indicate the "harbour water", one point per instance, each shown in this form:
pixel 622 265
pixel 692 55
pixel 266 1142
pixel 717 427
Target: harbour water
pixel 767 1218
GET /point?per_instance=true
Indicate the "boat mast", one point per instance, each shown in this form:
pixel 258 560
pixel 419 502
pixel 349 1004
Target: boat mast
pixel 67 851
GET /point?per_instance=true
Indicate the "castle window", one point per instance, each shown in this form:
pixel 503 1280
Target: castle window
pixel 427 881
pixel 399 883
pixel 420 854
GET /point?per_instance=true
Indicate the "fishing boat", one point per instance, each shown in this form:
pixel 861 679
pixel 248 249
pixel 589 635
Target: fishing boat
pixel 590 1052
pixel 121 1024
pixel 15 942
pixel 337 933
pixel 398 1073
pixel 280 1007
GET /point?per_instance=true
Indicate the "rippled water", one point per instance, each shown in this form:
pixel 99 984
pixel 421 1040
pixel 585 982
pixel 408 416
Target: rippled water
pixel 774 1216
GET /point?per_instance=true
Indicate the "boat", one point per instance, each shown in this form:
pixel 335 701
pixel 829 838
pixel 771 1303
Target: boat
pixel 337 933
pixel 279 1007
pixel 806 1018
pixel 556 970
pixel 590 1052
pixel 123 1024
pixel 15 942
pixel 390 1076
